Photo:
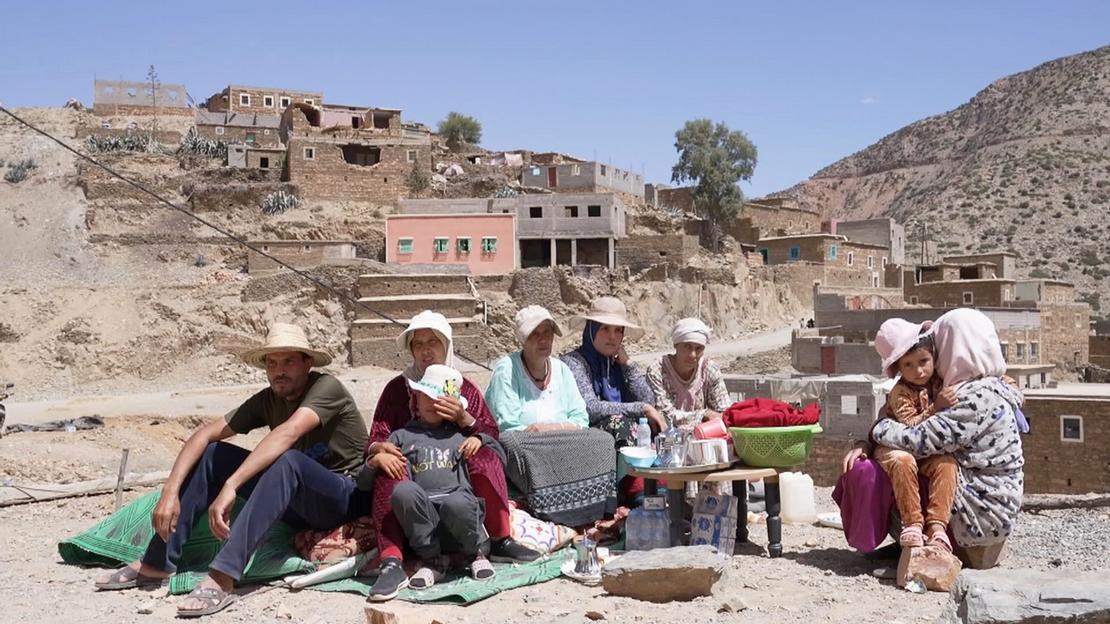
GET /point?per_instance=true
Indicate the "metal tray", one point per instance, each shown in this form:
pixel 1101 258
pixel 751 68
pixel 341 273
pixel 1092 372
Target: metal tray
pixel 654 470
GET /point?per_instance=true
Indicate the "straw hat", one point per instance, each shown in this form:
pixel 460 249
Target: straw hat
pixel 285 337
pixel 529 318
pixel 896 337
pixel 609 311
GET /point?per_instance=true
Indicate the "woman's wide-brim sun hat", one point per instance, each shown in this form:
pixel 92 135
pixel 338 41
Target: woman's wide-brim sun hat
pixel 609 311
pixel 284 337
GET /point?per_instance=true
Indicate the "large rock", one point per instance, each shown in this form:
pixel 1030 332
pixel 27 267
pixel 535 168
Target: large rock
pixel 1014 596
pixel 936 567
pixel 664 574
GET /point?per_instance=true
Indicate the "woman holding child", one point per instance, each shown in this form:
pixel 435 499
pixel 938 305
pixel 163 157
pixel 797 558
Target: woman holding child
pixel 543 422
pixel 428 339
pixel 979 430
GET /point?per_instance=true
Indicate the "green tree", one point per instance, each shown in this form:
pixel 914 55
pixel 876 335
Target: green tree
pixel 715 159
pixel 459 129
pixel 418 180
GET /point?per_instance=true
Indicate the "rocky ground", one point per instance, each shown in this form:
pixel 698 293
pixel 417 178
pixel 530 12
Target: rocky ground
pixel 818 579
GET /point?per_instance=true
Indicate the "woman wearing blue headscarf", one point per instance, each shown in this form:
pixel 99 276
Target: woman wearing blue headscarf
pixel 615 389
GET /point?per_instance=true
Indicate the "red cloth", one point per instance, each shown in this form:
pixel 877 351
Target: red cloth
pixel 760 412
pixel 486 472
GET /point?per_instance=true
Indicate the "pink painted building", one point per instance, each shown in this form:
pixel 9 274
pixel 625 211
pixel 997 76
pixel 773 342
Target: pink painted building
pixel 484 242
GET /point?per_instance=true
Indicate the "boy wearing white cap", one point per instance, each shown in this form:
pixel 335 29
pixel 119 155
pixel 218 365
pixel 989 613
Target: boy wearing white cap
pixel 436 505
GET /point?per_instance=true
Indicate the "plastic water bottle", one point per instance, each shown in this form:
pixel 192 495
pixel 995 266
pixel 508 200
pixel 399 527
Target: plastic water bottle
pixel 661 529
pixel 643 433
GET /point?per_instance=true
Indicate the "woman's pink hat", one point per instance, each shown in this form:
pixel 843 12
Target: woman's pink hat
pixel 896 338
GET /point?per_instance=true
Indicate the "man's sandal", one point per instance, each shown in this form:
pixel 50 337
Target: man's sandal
pixel 217 601
pixel 911 536
pixel 128 578
pixel 481 569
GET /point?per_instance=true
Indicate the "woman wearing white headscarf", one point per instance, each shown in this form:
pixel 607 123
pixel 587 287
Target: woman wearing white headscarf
pixel 980 432
pixel 543 421
pixel 689 387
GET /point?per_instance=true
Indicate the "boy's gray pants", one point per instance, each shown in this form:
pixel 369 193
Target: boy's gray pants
pixel 446 523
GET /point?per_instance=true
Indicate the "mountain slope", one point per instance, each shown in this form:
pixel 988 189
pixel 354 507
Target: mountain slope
pixel 1023 166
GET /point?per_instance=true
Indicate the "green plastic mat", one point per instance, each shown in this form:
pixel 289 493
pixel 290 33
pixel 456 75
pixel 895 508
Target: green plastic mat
pixel 459 588
pixel 123 536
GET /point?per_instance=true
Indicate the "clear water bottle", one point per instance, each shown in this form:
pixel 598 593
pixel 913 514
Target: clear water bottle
pixel 661 527
pixel 643 433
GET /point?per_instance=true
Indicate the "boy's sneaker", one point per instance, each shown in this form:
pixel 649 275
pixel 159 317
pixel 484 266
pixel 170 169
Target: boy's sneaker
pixel 391 580
pixel 508 550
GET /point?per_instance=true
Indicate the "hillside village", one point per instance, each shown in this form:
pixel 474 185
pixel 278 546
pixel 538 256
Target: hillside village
pixel 110 293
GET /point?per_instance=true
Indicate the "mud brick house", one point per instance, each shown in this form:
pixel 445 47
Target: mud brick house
pixel 582 177
pixel 1067 449
pixel 886 233
pixel 770 217
pixel 120 98
pixel 300 254
pixel 365 155
pixel 838 261
pixel 240 99
pixel 556 229
pixel 251 129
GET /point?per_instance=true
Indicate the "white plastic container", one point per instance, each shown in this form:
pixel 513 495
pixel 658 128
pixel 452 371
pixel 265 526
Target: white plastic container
pixel 798 503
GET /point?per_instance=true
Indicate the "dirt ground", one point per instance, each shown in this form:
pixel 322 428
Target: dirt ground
pixel 819 579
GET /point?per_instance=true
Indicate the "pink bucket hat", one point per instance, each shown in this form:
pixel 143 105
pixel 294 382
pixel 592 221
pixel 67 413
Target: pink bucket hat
pixel 896 338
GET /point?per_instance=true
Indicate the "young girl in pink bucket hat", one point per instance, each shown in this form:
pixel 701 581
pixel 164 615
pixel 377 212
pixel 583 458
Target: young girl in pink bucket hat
pixel 907 351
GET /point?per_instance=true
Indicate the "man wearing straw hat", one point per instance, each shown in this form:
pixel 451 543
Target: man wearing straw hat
pixel 301 472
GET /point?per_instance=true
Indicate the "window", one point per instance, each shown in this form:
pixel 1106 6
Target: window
pixel 765 254
pixel 1020 351
pixel 264 163
pixel 603 170
pixel 404 245
pixel 266 132
pixel 913 299
pixel 244 99
pixel 1044 379
pixel 570 212
pixel 535 171
pixel 250 137
pixel 439 245
pixel 310 102
pixel 593 211
pixel 219 129
pixel 310 153
pixel 412 156
pixel 884 262
pixel 576 170
pixel 1035 351
pixel 795 252
pixel 832 252
pixel 874 280
pixel 969 298
pixel 462 244
pixel 851 258
pixel 489 244
pixel 285 102
pixel 535 212
pixel 268 101
pixel 1006 351
pixel 849 406
pixel 870 262
pixel 1071 428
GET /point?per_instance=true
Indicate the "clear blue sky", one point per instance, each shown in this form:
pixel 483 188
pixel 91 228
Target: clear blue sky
pixel 809 82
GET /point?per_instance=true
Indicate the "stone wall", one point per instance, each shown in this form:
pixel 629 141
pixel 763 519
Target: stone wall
pixel 1099 350
pixel 298 254
pixel 1065 335
pixel 641 252
pixel 165 137
pixel 318 167
pixel 229 100
pixel 990 292
pixel 240 134
pixel 1056 466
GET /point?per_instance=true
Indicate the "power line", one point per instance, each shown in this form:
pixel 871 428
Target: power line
pixel 316 282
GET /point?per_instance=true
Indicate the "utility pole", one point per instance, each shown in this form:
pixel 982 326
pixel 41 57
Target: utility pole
pixel 152 78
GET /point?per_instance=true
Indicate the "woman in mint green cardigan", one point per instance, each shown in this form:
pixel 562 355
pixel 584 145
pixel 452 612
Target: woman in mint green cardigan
pixel 542 416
